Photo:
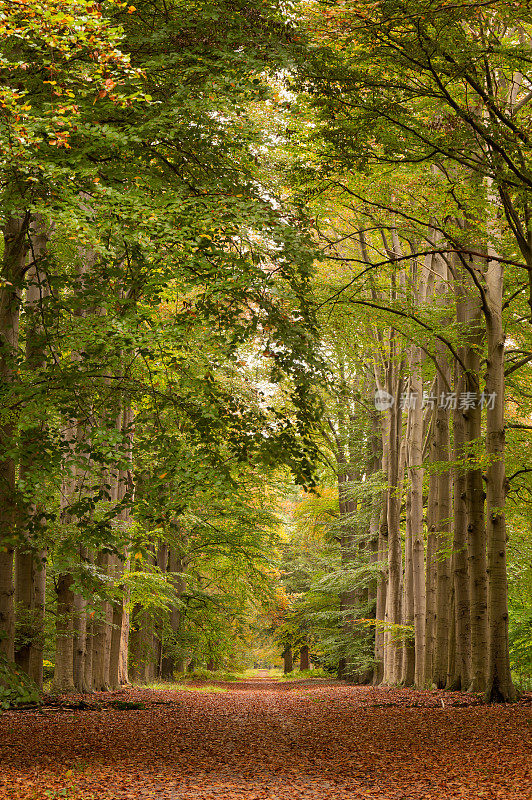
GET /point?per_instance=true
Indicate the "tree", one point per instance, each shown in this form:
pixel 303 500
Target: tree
pixel 384 107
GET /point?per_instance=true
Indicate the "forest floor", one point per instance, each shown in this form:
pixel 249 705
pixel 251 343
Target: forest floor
pixel 268 740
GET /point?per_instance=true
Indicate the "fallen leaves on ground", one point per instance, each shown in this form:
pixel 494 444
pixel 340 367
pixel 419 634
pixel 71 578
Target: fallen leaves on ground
pixel 261 740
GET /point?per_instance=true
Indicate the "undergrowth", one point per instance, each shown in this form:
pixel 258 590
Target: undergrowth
pixel 16 688
pixel 170 686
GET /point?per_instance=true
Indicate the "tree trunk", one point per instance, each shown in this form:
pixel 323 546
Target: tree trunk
pixel 15 247
pixel 380 608
pixel 499 685
pixel 392 646
pixel 101 643
pixel 442 490
pixel 117 608
pixel 116 639
pixel 442 522
pixel 348 598
pixel 80 643
pixel 125 483
pixel 415 462
pixel 469 314
pixel 123 666
pixel 304 661
pixel 87 666
pixel 64 647
pixel 30 585
pixel 64 664
pixel 476 539
pixel 176 570
pixel 409 650
pixel 451 647
pixel 288 660
pixel 430 576
pixel 134 658
pixel 462 676
pixel 142 649
pixel 373 540
pixel 382 557
pixel 161 559
pixel 341 671
pixel 30 571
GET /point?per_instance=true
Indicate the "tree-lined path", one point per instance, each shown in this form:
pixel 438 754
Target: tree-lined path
pixel 261 739
pixel 265 399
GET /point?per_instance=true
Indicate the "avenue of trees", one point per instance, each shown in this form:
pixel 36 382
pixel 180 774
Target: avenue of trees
pixel 265 343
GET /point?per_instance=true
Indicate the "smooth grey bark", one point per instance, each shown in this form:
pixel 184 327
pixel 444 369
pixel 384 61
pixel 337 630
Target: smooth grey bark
pixel 462 663
pixel 442 521
pixel 409 650
pixel 415 474
pixel 116 640
pixel 499 684
pixel 380 606
pixel 376 501
pixel 393 384
pixel 470 317
pixel 476 527
pixel 382 558
pixel 440 492
pixel 392 645
pixel 431 575
pixel 123 663
pixel 414 576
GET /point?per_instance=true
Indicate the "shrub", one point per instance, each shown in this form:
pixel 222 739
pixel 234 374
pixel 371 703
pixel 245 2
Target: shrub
pixel 16 688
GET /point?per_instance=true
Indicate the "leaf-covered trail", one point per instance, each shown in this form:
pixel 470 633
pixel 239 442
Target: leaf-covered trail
pixel 267 740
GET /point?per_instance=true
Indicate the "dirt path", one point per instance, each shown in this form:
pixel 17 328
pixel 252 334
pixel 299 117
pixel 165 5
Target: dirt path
pixel 262 739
